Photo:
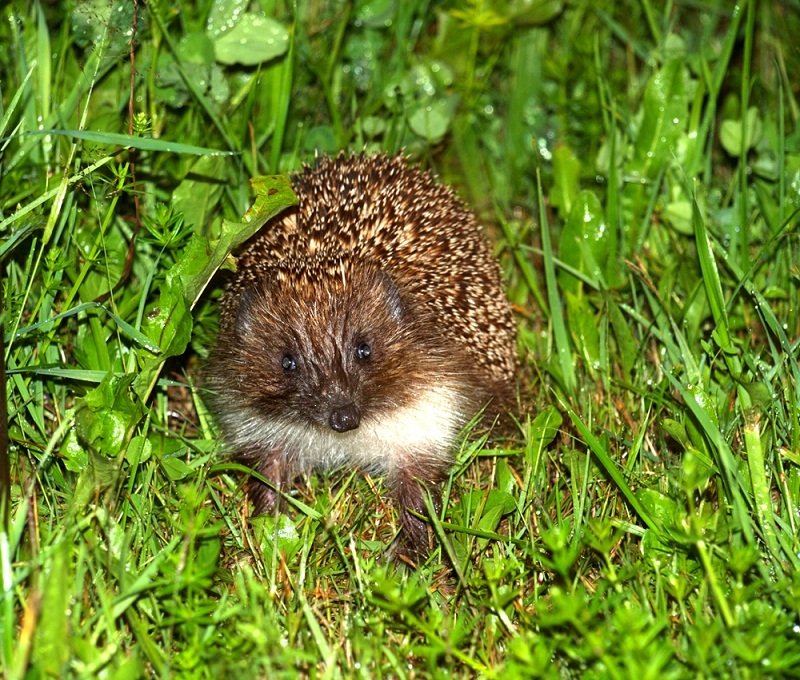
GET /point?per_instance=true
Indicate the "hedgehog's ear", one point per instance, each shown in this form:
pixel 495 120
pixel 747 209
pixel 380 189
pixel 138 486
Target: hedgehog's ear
pixel 244 317
pixel 392 295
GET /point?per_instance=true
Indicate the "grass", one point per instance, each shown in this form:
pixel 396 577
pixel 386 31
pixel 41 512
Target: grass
pixel 638 165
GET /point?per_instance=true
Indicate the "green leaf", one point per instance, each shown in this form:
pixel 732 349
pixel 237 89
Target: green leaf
pixel 566 179
pixel 661 508
pixel 101 473
pixel 252 40
pixel 138 451
pixel 663 511
pixel 582 321
pixel 493 499
pixel 223 15
pixel 175 468
pixel 169 321
pixel 545 426
pixel 676 430
pixel 679 215
pixel 130 669
pixel 533 12
pixel 627 346
pixel 52 649
pixel 277 533
pixel 169 324
pixel 490 518
pixel 174 83
pixel 196 48
pixel 762 489
pixel 95 21
pixel 505 479
pixel 47 326
pixel 730 133
pixel 585 242
pixel 760 395
pixel 106 416
pixel 431 121
pixel 197 196
pixel 666 108
pixel 696 470
pixel 375 13
pixel 540 433
pixel 75 456
pixel 273 195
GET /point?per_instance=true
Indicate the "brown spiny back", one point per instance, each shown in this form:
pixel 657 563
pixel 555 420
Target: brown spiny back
pixel 380 211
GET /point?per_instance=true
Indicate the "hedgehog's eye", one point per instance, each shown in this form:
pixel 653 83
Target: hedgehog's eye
pixel 363 351
pixel 288 362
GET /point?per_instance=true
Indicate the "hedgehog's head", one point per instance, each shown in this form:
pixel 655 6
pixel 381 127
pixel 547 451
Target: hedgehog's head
pixel 332 343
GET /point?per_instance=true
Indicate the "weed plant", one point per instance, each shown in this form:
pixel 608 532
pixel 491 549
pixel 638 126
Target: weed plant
pixel 638 166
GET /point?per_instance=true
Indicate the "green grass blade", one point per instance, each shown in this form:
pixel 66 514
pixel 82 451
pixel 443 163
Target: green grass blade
pixel 713 287
pixel 612 470
pixel 52 193
pixel 76 374
pixel 761 494
pixel 134 142
pixel 282 82
pixel 565 358
pixel 137 336
pixel 735 487
pixel 12 106
pixel 745 85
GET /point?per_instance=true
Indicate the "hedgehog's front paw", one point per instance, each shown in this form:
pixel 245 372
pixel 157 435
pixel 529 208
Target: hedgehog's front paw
pixel 268 498
pixel 416 538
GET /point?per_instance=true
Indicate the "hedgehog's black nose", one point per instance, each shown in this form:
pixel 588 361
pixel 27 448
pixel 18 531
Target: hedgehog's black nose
pixel 345 418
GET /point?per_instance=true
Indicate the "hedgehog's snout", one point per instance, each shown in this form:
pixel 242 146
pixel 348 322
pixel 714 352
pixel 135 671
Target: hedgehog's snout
pixel 344 417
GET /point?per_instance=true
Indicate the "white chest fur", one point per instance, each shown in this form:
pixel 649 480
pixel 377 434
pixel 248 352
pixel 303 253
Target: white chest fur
pixel 425 429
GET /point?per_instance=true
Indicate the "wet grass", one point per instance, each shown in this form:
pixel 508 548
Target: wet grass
pixel 637 165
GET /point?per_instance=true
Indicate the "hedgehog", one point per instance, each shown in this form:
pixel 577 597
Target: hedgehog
pixel 365 328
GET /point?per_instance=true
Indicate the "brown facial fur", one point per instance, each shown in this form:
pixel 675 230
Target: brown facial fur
pixel 364 328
